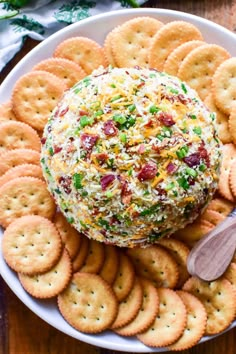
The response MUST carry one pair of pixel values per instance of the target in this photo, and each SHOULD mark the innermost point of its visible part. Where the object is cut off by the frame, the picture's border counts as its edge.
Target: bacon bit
(82, 113)
(114, 220)
(57, 149)
(88, 141)
(161, 191)
(168, 98)
(109, 128)
(65, 182)
(106, 181)
(204, 154)
(126, 193)
(102, 157)
(95, 211)
(171, 168)
(156, 148)
(193, 159)
(149, 124)
(64, 111)
(166, 119)
(141, 149)
(141, 84)
(191, 181)
(183, 99)
(43, 140)
(147, 172)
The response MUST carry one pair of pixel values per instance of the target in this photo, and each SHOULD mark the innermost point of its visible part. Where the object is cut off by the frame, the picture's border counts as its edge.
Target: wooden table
(21, 331)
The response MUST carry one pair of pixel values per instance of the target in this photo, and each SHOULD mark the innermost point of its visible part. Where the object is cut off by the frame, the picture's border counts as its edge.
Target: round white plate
(96, 28)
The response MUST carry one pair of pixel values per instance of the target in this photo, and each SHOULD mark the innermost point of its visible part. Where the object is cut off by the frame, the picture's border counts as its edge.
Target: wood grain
(25, 333)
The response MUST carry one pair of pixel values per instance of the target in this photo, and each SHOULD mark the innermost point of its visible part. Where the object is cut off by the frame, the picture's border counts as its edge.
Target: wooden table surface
(21, 331)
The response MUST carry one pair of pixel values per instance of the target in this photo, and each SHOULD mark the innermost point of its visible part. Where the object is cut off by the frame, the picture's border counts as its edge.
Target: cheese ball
(131, 155)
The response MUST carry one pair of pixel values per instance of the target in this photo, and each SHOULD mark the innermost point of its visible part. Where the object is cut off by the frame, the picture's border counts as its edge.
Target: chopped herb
(84, 193)
(132, 107)
(85, 120)
(212, 115)
(123, 138)
(130, 121)
(47, 170)
(51, 152)
(83, 224)
(175, 193)
(193, 116)
(191, 172)
(57, 191)
(166, 131)
(119, 118)
(146, 192)
(184, 130)
(184, 88)
(77, 179)
(160, 137)
(86, 81)
(169, 186)
(182, 181)
(197, 130)
(42, 160)
(113, 85)
(182, 152)
(77, 130)
(109, 194)
(154, 109)
(173, 90)
(99, 113)
(70, 220)
(115, 98)
(104, 223)
(202, 167)
(110, 162)
(154, 208)
(152, 76)
(130, 171)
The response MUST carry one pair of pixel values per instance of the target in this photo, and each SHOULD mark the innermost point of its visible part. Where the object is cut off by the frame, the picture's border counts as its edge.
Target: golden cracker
(179, 251)
(173, 61)
(66, 70)
(196, 322)
(230, 274)
(219, 300)
(82, 254)
(50, 283)
(108, 51)
(71, 238)
(34, 97)
(94, 259)
(83, 51)
(212, 216)
(200, 65)
(229, 158)
(168, 38)
(18, 157)
(155, 264)
(129, 307)
(132, 41)
(125, 277)
(232, 123)
(221, 205)
(18, 135)
(111, 264)
(31, 245)
(222, 120)
(25, 196)
(169, 323)
(147, 312)
(232, 179)
(88, 304)
(24, 170)
(6, 112)
(224, 85)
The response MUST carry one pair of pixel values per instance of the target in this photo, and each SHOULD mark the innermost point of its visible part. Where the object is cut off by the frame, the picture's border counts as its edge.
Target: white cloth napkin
(40, 18)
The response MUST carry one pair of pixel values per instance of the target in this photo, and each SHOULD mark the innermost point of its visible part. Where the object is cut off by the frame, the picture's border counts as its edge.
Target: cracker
(66, 70)
(34, 97)
(221, 205)
(224, 85)
(110, 265)
(94, 259)
(83, 51)
(168, 38)
(70, 237)
(173, 61)
(232, 179)
(129, 307)
(17, 157)
(24, 196)
(222, 120)
(88, 303)
(212, 216)
(125, 277)
(82, 253)
(232, 123)
(132, 41)
(147, 312)
(179, 251)
(196, 322)
(219, 299)
(200, 65)
(108, 50)
(6, 112)
(230, 274)
(50, 283)
(155, 264)
(169, 323)
(23, 170)
(229, 158)
(18, 135)
(31, 245)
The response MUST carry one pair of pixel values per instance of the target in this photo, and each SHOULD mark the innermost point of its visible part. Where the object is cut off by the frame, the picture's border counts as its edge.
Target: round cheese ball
(131, 155)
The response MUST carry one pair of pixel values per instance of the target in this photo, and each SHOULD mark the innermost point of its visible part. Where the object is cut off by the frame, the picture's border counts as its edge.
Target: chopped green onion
(212, 115)
(173, 90)
(85, 120)
(70, 220)
(104, 223)
(160, 137)
(182, 152)
(197, 130)
(130, 171)
(167, 132)
(119, 118)
(184, 88)
(170, 186)
(202, 167)
(152, 76)
(154, 109)
(132, 107)
(146, 192)
(182, 181)
(113, 85)
(84, 193)
(193, 116)
(115, 98)
(155, 208)
(123, 138)
(99, 113)
(83, 224)
(191, 172)
(77, 179)
(51, 152)
(57, 191)
(109, 194)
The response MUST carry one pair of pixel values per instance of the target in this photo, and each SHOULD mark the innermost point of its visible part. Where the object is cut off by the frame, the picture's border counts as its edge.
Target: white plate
(96, 28)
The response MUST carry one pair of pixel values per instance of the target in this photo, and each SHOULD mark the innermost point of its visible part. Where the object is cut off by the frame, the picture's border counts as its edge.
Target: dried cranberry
(65, 182)
(57, 149)
(109, 128)
(147, 172)
(106, 181)
(43, 140)
(171, 168)
(102, 157)
(166, 119)
(88, 141)
(63, 111)
(182, 99)
(192, 160)
(204, 154)
(125, 192)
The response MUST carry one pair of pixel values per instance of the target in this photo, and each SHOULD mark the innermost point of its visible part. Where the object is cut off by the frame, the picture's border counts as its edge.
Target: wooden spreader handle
(211, 256)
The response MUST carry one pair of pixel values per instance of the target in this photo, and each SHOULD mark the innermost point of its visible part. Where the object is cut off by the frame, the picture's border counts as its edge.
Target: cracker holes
(92, 292)
(88, 305)
(98, 319)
